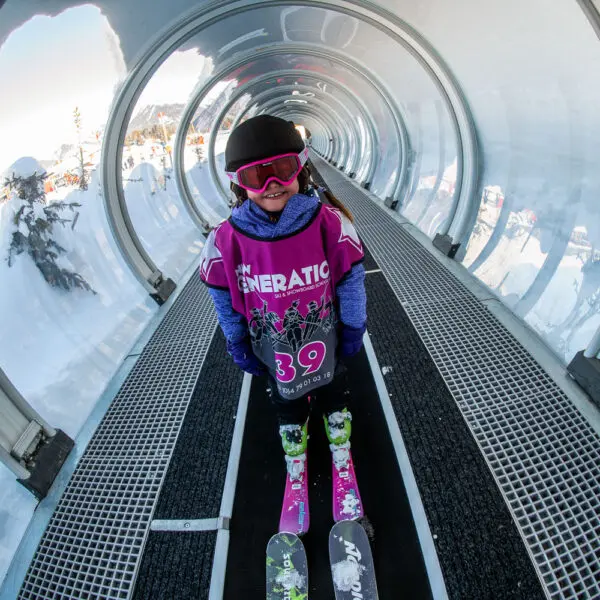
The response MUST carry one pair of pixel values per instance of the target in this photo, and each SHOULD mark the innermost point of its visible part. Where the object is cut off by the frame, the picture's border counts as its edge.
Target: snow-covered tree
(199, 152)
(197, 142)
(83, 175)
(34, 221)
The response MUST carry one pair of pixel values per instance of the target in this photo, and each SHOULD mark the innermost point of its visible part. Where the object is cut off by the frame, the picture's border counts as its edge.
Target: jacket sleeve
(233, 324)
(352, 298)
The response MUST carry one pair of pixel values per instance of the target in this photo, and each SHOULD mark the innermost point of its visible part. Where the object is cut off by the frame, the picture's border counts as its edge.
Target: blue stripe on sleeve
(233, 324)
(352, 297)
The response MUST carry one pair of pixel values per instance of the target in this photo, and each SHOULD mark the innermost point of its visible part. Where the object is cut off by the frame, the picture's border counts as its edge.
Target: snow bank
(24, 167)
(61, 348)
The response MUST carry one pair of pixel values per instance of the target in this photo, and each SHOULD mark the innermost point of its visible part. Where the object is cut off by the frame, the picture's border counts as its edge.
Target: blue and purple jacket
(286, 284)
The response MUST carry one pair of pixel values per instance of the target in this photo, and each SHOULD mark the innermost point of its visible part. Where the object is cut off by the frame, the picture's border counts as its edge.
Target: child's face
(275, 197)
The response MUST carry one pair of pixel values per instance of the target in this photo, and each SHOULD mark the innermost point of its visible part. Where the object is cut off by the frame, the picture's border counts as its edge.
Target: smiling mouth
(273, 196)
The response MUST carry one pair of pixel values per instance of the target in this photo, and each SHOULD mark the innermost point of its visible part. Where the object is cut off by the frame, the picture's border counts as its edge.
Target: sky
(50, 65)
(175, 79)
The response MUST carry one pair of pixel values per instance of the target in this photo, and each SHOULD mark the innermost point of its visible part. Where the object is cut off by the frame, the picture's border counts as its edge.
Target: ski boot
(347, 504)
(295, 517)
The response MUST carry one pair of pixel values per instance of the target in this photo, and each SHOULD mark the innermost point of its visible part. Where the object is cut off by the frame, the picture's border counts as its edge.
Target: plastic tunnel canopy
(478, 121)
(443, 131)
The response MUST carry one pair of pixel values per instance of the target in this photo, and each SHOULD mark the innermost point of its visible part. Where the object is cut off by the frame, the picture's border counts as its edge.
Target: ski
(287, 571)
(347, 504)
(351, 562)
(295, 517)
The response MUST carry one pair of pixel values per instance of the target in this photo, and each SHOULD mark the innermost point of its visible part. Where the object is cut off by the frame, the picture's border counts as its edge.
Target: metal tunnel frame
(267, 94)
(334, 119)
(16, 412)
(308, 113)
(354, 99)
(274, 50)
(231, 66)
(172, 37)
(362, 73)
(346, 146)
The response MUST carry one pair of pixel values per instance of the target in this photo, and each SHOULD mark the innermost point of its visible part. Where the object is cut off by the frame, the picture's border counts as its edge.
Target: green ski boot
(293, 439)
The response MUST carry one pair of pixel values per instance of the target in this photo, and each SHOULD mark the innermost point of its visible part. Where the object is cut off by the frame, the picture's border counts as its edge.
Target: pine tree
(83, 176)
(199, 153)
(198, 150)
(34, 222)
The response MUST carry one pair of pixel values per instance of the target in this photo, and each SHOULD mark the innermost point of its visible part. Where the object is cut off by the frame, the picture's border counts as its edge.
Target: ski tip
(298, 534)
(349, 529)
(351, 562)
(286, 568)
(284, 536)
(347, 525)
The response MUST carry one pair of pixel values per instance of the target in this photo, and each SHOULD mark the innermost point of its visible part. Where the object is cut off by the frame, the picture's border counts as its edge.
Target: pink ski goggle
(256, 176)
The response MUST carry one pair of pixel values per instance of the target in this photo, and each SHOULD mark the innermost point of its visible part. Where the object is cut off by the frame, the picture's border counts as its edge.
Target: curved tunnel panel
(470, 123)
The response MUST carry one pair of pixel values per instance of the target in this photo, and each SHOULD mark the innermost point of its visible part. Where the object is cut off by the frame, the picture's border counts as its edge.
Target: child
(284, 273)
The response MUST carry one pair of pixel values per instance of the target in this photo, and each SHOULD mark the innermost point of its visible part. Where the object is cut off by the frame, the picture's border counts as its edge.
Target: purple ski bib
(286, 290)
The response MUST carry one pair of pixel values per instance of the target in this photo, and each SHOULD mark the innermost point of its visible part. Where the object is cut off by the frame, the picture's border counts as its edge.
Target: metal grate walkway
(544, 456)
(92, 546)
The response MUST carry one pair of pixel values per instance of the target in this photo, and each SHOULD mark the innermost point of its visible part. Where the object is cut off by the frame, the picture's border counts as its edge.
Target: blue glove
(243, 357)
(351, 339)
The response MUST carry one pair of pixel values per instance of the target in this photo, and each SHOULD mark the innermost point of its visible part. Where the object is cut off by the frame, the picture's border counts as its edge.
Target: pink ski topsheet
(295, 517)
(347, 504)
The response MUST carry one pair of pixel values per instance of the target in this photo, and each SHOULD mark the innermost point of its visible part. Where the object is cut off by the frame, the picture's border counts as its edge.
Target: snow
(346, 573)
(340, 454)
(202, 186)
(290, 579)
(336, 425)
(338, 417)
(38, 211)
(23, 228)
(385, 370)
(566, 312)
(59, 348)
(23, 167)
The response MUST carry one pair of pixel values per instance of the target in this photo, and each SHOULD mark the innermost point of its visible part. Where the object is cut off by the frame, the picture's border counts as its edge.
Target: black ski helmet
(261, 137)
